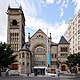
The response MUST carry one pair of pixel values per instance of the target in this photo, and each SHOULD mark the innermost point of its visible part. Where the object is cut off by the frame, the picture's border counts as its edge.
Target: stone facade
(15, 32)
(41, 54)
(48, 54)
(24, 60)
(15, 28)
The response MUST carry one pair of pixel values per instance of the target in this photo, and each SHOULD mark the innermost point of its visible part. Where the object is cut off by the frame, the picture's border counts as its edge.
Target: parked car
(51, 74)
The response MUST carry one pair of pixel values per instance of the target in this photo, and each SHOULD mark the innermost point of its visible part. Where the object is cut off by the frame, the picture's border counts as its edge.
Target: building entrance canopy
(38, 70)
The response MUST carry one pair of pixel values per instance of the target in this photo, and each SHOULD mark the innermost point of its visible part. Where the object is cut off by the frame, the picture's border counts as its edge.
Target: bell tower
(15, 32)
(15, 28)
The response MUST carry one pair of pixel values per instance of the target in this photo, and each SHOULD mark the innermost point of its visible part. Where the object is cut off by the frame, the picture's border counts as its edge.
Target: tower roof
(63, 41)
(25, 47)
(15, 10)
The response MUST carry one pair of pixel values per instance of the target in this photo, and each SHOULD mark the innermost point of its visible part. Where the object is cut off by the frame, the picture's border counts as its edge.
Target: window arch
(14, 22)
(39, 48)
(23, 55)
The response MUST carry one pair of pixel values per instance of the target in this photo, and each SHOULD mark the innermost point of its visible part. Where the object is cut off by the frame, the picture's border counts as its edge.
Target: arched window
(27, 55)
(28, 64)
(14, 22)
(39, 48)
(23, 55)
(79, 21)
(20, 55)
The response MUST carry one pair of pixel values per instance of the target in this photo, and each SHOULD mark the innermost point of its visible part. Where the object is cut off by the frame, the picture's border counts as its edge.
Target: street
(39, 78)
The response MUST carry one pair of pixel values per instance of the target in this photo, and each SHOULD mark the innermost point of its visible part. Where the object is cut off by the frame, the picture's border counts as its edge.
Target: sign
(48, 58)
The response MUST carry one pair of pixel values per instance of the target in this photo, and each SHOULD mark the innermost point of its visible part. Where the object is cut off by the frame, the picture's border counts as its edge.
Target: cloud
(60, 30)
(57, 29)
(62, 12)
(28, 6)
(30, 9)
(59, 1)
(50, 1)
(63, 5)
(3, 19)
(33, 22)
(3, 22)
(44, 3)
(77, 5)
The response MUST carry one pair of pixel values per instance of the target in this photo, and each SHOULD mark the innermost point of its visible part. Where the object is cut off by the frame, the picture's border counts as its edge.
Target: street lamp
(48, 55)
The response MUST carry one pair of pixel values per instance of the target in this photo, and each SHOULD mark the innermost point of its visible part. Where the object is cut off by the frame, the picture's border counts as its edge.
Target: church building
(39, 55)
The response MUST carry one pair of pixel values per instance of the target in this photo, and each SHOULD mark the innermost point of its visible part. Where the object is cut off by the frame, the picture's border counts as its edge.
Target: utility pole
(47, 47)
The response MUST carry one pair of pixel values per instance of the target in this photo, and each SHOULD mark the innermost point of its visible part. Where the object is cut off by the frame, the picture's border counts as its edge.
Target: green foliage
(78, 58)
(6, 56)
(73, 60)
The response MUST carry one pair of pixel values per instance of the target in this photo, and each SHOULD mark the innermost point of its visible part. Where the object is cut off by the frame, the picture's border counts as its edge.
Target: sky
(51, 16)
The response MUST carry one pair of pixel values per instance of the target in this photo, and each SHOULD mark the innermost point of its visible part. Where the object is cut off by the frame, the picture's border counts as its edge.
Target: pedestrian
(58, 73)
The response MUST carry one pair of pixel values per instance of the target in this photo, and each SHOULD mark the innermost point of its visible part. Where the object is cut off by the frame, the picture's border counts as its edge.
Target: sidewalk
(39, 76)
(70, 76)
(67, 76)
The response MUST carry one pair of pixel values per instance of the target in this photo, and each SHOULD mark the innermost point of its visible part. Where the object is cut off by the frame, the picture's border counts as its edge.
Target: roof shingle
(63, 41)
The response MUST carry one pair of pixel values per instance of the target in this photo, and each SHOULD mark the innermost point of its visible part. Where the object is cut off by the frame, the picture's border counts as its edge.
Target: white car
(51, 74)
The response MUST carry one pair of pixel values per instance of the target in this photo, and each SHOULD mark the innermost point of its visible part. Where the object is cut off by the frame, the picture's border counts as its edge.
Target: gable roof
(63, 41)
(39, 31)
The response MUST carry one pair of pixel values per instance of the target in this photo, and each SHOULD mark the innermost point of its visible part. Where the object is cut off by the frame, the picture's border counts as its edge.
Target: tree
(6, 56)
(78, 58)
(73, 60)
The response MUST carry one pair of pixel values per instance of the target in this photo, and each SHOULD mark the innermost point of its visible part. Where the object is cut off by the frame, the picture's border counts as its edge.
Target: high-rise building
(72, 34)
(15, 30)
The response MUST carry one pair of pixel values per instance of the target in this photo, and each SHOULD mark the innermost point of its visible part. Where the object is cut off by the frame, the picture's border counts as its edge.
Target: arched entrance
(39, 59)
(63, 67)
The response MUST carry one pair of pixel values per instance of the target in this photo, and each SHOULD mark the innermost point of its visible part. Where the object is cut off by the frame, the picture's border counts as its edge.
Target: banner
(48, 58)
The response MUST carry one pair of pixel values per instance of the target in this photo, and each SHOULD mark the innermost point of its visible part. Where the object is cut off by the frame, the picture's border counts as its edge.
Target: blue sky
(51, 15)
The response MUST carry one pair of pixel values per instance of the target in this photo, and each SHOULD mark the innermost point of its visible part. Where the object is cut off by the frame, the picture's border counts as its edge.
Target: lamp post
(48, 51)
(47, 47)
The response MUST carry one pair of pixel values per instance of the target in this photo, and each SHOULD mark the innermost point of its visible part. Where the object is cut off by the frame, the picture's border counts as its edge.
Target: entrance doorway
(63, 68)
(39, 71)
